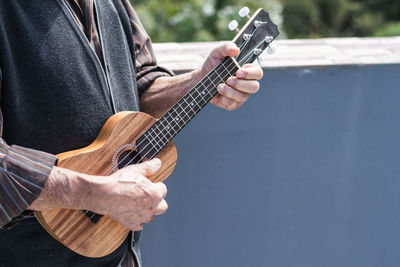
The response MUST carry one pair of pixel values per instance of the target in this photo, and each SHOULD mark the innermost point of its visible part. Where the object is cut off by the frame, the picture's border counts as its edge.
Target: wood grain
(72, 227)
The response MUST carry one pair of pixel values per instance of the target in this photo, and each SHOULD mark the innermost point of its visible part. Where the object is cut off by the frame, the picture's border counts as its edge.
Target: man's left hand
(238, 88)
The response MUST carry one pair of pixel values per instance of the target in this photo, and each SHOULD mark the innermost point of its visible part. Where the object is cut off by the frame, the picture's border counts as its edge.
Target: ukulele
(131, 137)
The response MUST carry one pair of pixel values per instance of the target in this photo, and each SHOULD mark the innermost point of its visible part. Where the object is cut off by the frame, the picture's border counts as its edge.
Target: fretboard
(168, 126)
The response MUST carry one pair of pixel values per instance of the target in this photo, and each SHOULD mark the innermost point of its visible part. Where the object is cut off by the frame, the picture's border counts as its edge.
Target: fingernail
(220, 88)
(231, 81)
(240, 74)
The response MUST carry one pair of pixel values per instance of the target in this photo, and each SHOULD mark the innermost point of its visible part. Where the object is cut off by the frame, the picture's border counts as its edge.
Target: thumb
(228, 49)
(147, 168)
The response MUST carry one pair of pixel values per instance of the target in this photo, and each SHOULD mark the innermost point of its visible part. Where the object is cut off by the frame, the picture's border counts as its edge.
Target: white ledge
(292, 53)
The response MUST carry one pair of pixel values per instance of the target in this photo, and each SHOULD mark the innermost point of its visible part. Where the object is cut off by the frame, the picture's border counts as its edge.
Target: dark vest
(56, 96)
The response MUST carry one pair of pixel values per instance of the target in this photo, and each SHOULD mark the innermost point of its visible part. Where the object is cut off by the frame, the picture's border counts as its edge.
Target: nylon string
(169, 115)
(217, 68)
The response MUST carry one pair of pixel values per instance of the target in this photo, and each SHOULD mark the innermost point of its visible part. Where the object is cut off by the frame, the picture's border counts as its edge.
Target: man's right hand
(127, 196)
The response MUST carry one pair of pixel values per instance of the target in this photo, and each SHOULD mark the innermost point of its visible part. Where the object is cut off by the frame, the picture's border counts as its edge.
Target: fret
(160, 132)
(212, 92)
(197, 95)
(175, 120)
(181, 113)
(208, 82)
(192, 102)
(214, 78)
(184, 111)
(145, 146)
(153, 144)
(152, 147)
(225, 69)
(202, 94)
(222, 80)
(166, 125)
(191, 112)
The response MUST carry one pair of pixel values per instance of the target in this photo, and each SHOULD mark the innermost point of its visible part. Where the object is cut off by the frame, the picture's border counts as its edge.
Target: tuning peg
(244, 12)
(271, 50)
(233, 26)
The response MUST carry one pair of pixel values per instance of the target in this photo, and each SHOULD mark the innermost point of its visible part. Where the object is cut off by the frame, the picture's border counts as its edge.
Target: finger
(232, 93)
(161, 208)
(147, 168)
(227, 49)
(226, 103)
(158, 191)
(247, 86)
(149, 220)
(138, 227)
(250, 72)
(131, 226)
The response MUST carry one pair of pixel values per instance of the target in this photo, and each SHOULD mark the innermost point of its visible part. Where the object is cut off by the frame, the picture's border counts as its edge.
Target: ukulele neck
(175, 119)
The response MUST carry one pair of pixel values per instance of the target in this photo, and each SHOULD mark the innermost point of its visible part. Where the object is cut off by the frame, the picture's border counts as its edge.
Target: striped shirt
(23, 171)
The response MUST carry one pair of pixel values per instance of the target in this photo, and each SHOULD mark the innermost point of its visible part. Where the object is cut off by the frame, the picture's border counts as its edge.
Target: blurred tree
(206, 20)
(325, 18)
(196, 20)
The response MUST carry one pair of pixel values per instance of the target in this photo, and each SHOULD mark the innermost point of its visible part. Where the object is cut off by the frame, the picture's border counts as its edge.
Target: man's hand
(166, 91)
(237, 89)
(127, 196)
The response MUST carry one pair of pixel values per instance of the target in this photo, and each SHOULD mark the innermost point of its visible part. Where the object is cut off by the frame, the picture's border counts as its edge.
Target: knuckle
(164, 207)
(129, 225)
(163, 187)
(261, 73)
(140, 194)
(155, 195)
(147, 167)
(231, 105)
(238, 105)
(164, 190)
(244, 97)
(256, 87)
(227, 45)
(158, 192)
(137, 227)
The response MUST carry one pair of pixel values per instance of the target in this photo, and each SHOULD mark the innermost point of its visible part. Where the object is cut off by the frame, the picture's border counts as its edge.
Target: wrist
(197, 75)
(63, 189)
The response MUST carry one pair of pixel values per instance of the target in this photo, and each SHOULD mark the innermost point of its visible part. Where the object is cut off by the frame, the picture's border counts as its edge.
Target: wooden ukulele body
(72, 227)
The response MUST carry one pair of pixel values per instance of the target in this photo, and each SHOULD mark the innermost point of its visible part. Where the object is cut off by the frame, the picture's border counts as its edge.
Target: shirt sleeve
(23, 174)
(147, 69)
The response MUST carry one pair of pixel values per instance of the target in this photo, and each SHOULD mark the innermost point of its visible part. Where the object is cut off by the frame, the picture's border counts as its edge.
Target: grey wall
(307, 173)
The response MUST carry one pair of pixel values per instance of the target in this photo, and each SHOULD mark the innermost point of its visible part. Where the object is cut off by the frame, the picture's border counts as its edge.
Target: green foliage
(390, 29)
(325, 18)
(207, 20)
(195, 20)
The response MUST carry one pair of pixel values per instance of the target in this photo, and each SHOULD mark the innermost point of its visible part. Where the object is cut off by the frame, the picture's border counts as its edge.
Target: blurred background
(306, 173)
(206, 20)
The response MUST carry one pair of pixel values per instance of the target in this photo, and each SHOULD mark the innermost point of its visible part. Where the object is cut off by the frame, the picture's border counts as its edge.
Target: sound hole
(129, 157)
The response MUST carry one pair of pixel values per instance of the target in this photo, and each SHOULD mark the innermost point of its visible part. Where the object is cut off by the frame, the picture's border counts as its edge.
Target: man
(65, 67)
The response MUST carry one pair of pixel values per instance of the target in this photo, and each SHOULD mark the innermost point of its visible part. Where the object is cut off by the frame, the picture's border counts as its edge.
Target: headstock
(255, 36)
